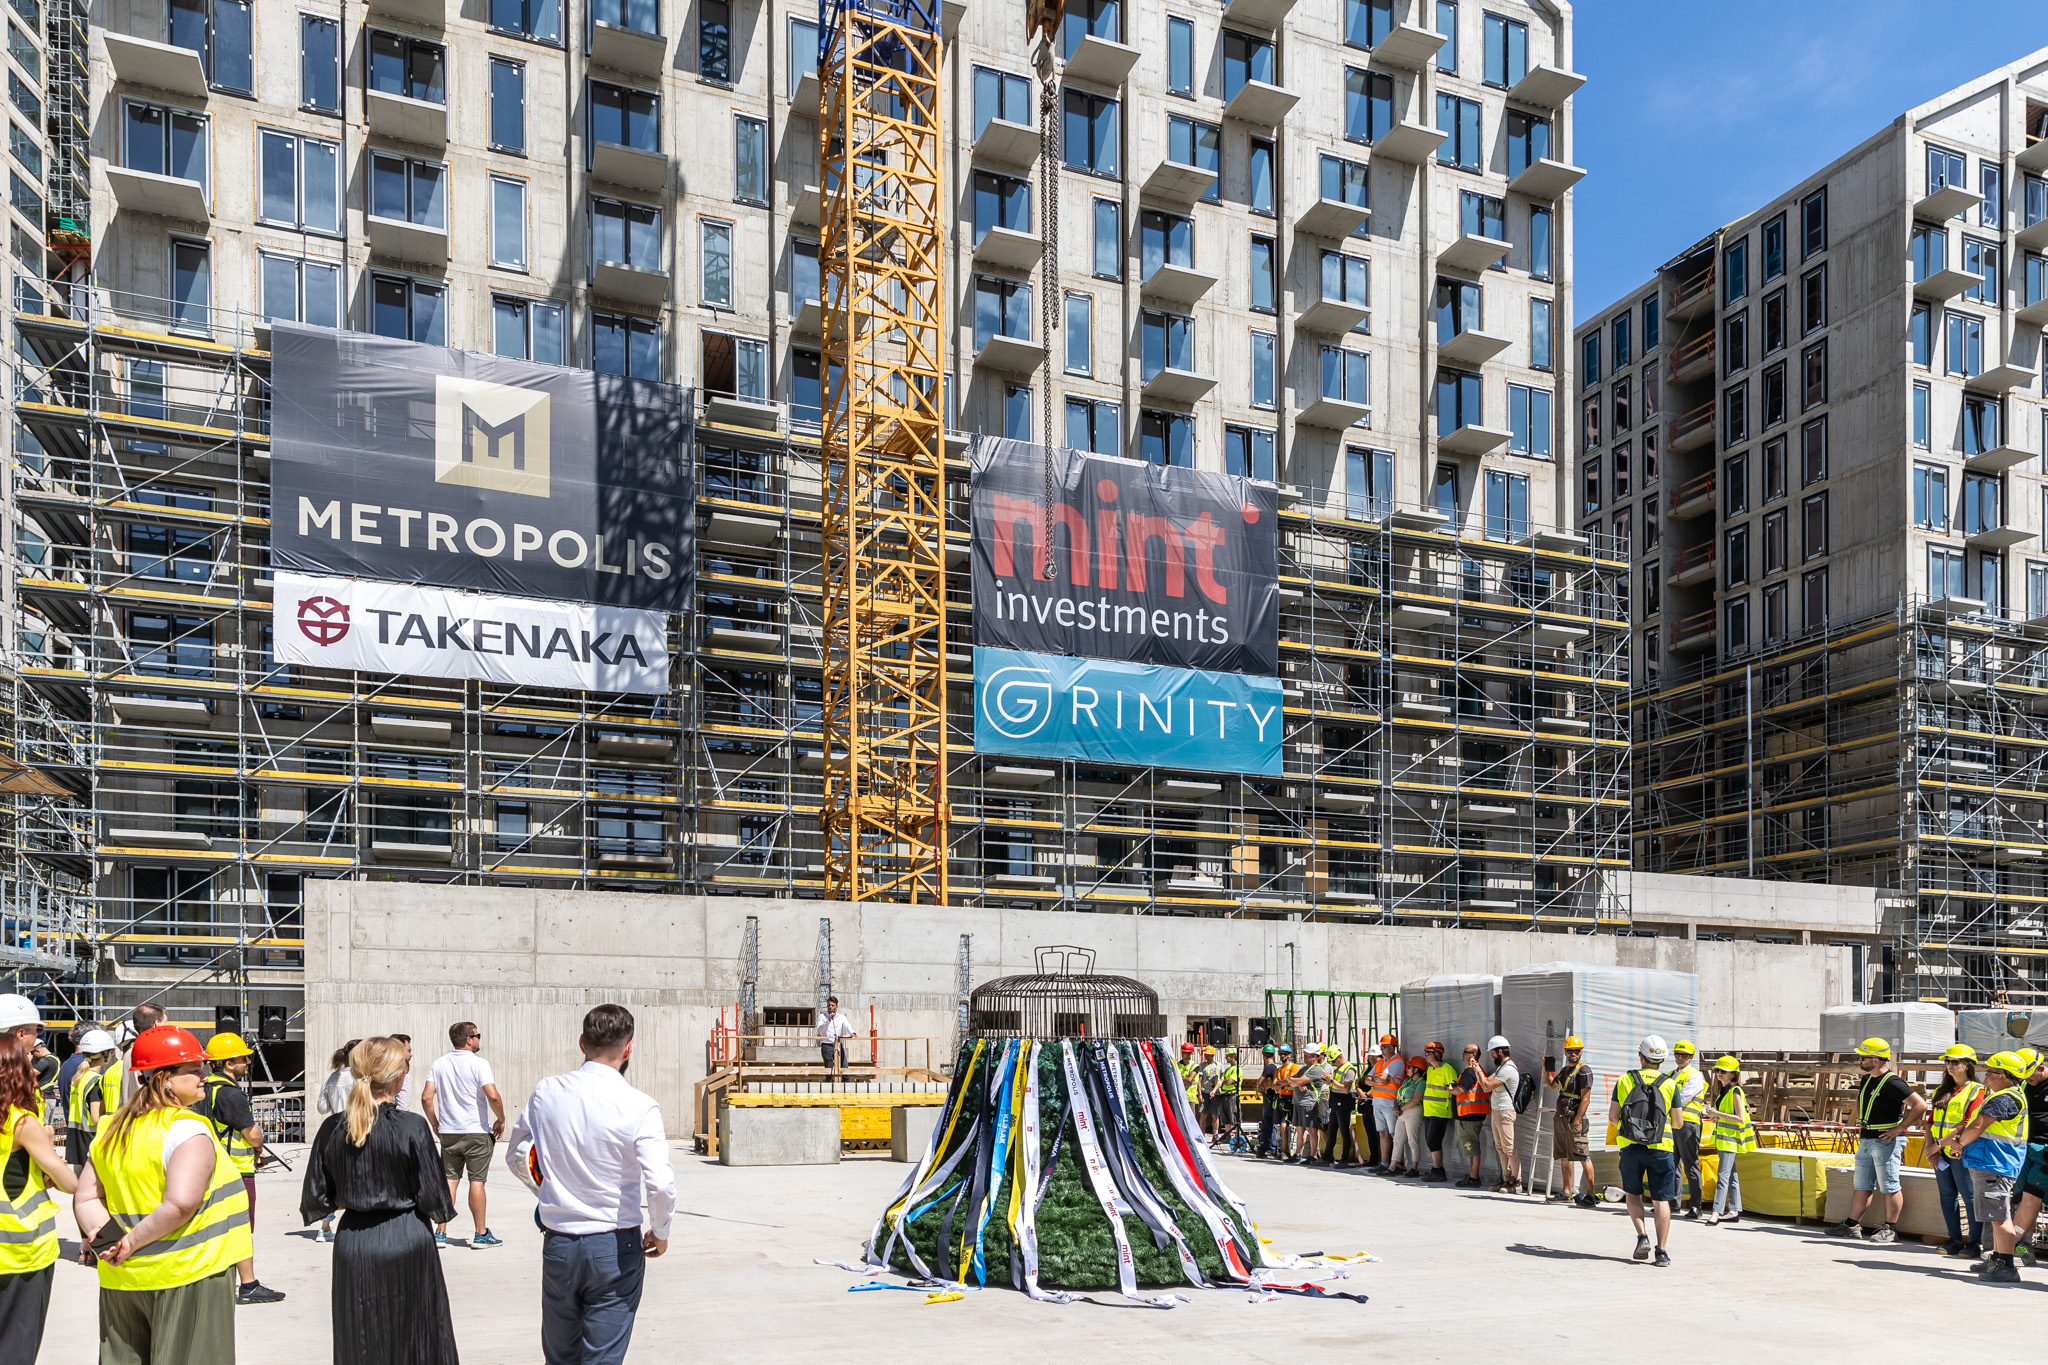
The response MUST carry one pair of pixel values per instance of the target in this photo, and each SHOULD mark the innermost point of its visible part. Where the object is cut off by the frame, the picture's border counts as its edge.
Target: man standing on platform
(834, 1029)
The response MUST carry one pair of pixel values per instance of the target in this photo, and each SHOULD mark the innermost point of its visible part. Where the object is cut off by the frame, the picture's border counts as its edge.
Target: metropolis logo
(491, 436)
(1017, 702)
(323, 620)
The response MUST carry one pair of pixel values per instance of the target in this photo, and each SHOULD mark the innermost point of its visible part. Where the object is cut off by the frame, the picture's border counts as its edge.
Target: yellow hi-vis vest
(1951, 1114)
(108, 1079)
(239, 1150)
(132, 1179)
(28, 1216)
(1693, 1111)
(1664, 1082)
(1436, 1090)
(1733, 1132)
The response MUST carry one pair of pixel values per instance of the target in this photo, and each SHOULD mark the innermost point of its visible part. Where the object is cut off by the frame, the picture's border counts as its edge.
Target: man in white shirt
(834, 1029)
(458, 1089)
(585, 1144)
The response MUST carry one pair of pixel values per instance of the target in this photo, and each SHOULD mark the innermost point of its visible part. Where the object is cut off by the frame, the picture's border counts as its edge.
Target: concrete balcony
(2035, 157)
(1693, 360)
(2034, 314)
(1009, 249)
(751, 641)
(1409, 142)
(1694, 633)
(2001, 378)
(631, 166)
(168, 196)
(1944, 284)
(1997, 460)
(2034, 236)
(1333, 218)
(1333, 414)
(1331, 317)
(1546, 87)
(806, 206)
(1471, 348)
(732, 410)
(1473, 439)
(1101, 62)
(412, 730)
(1472, 253)
(730, 528)
(1261, 103)
(1695, 565)
(951, 12)
(1692, 429)
(628, 49)
(1688, 294)
(433, 12)
(403, 241)
(1177, 386)
(161, 711)
(405, 118)
(162, 66)
(1176, 284)
(1998, 538)
(1546, 179)
(1409, 47)
(1694, 498)
(807, 100)
(1014, 144)
(1178, 182)
(1010, 355)
(629, 283)
(1945, 203)
(1263, 14)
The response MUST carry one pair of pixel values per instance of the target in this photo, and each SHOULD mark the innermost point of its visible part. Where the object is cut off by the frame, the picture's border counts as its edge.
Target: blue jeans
(1728, 1187)
(1877, 1163)
(590, 1290)
(1952, 1182)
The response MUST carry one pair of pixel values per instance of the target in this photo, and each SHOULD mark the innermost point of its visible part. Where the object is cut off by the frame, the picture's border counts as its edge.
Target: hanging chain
(1049, 153)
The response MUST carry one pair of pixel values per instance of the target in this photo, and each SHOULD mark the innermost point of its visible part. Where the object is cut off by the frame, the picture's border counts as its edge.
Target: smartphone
(1549, 1062)
(109, 1235)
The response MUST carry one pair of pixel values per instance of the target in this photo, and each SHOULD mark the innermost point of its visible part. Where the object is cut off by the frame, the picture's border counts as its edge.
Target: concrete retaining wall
(525, 964)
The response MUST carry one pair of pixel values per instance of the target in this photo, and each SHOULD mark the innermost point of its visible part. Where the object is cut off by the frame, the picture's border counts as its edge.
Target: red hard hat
(1187, 1047)
(164, 1045)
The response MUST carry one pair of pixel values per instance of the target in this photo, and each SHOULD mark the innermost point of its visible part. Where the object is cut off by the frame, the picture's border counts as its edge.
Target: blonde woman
(378, 1163)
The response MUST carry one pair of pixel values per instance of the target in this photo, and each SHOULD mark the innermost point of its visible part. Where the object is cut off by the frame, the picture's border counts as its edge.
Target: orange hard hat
(1433, 1046)
(164, 1045)
(1389, 1040)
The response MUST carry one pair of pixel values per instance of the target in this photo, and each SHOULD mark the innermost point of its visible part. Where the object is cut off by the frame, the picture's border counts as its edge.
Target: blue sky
(1694, 114)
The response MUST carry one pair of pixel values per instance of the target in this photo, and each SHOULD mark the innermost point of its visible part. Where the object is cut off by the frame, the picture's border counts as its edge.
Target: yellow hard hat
(1959, 1052)
(1728, 1064)
(1873, 1047)
(1574, 1044)
(1208, 1051)
(2030, 1057)
(222, 1046)
(2011, 1063)
(1683, 1045)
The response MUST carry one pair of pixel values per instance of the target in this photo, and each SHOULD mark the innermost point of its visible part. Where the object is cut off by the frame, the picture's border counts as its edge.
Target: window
(408, 191)
(1368, 482)
(319, 64)
(25, 98)
(407, 67)
(1774, 613)
(1991, 184)
(512, 823)
(1259, 182)
(1507, 506)
(1589, 361)
(527, 329)
(1540, 335)
(1944, 572)
(301, 182)
(714, 41)
(1735, 557)
(2035, 286)
(1734, 344)
(1813, 453)
(508, 222)
(165, 141)
(1166, 341)
(1482, 215)
(1945, 168)
(1262, 258)
(1458, 119)
(997, 95)
(715, 267)
(1589, 479)
(191, 285)
(1735, 271)
(1624, 417)
(1090, 19)
(1001, 308)
(1507, 50)
(1345, 375)
(1192, 143)
(1458, 401)
(1264, 391)
(625, 234)
(1965, 344)
(738, 365)
(642, 16)
(1813, 385)
(1981, 504)
(1529, 425)
(1368, 104)
(1457, 303)
(806, 378)
(1344, 182)
(1166, 438)
(1080, 329)
(803, 272)
(1528, 141)
(749, 160)
(1164, 239)
(300, 290)
(1017, 412)
(1920, 335)
(1774, 541)
(1589, 423)
(1813, 224)
(1773, 327)
(508, 105)
(1094, 426)
(1650, 337)
(1109, 239)
(1981, 259)
(409, 309)
(1621, 341)
(1248, 453)
(1814, 588)
(1774, 248)
(1091, 132)
(1735, 485)
(222, 33)
(1649, 450)
(1814, 536)
(23, 145)
(1247, 59)
(537, 19)
(1735, 630)
(1982, 424)
(1447, 28)
(1651, 530)
(1539, 266)
(625, 118)
(1367, 21)
(1180, 55)
(1000, 201)
(1771, 397)
(1922, 435)
(2037, 591)
(623, 345)
(1735, 415)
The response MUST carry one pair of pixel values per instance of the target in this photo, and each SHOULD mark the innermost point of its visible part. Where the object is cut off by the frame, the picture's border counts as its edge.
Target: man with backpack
(1643, 1100)
(1503, 1089)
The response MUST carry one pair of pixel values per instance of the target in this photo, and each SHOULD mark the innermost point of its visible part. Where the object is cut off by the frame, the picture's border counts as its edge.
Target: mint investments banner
(1104, 711)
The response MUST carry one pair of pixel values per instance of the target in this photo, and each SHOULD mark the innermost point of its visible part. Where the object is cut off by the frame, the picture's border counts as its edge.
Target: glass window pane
(428, 315)
(508, 328)
(546, 322)
(320, 284)
(508, 105)
(508, 222)
(319, 63)
(322, 207)
(429, 208)
(718, 264)
(646, 351)
(280, 200)
(280, 288)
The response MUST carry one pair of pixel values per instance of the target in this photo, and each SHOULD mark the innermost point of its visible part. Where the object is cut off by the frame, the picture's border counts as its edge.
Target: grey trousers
(193, 1324)
(24, 1307)
(590, 1290)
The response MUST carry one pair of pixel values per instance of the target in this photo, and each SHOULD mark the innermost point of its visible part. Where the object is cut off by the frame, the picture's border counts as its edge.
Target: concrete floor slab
(738, 1284)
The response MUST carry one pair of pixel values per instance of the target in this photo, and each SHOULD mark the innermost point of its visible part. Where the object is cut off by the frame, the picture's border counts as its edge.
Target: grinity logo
(1017, 702)
(323, 620)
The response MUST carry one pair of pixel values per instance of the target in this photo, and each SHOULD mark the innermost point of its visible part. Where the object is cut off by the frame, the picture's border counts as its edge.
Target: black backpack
(1645, 1116)
(1525, 1091)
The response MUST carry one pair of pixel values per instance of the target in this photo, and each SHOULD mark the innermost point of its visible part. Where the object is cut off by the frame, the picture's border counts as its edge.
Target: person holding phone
(28, 1216)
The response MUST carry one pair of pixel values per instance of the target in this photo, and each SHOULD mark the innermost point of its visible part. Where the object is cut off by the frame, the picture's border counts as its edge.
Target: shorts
(1649, 1173)
(1994, 1196)
(1468, 1136)
(1568, 1139)
(1384, 1115)
(2034, 1175)
(1433, 1130)
(466, 1151)
(1877, 1163)
(1304, 1111)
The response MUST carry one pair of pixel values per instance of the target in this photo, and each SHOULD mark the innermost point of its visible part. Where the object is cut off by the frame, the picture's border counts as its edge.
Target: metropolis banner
(418, 464)
(1099, 711)
(1151, 565)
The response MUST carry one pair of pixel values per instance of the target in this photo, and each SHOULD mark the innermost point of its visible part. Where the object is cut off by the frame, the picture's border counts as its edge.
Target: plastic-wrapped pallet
(1914, 1028)
(1610, 1008)
(1989, 1030)
(1454, 1011)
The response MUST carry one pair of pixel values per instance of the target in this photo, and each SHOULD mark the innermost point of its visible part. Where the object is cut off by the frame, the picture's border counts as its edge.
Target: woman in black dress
(380, 1165)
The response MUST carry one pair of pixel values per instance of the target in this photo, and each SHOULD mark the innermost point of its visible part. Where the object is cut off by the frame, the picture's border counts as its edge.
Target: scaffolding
(1908, 751)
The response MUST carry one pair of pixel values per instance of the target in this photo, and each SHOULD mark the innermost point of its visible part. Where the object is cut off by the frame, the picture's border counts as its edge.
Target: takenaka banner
(398, 628)
(1151, 565)
(414, 463)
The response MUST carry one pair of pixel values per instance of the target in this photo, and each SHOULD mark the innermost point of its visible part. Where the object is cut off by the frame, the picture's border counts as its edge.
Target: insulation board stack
(1914, 1028)
(1987, 1030)
(1454, 1011)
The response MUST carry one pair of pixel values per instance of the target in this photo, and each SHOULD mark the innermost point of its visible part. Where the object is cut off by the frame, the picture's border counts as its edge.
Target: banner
(397, 628)
(1150, 564)
(398, 461)
(1097, 711)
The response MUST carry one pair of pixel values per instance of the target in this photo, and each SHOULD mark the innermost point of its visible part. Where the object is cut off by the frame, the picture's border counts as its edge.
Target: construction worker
(1283, 1102)
(1733, 1135)
(1188, 1080)
(1946, 1113)
(2032, 1189)
(1886, 1107)
(1468, 1098)
(1209, 1086)
(1387, 1072)
(1569, 1146)
(1687, 1119)
(166, 1294)
(1438, 1107)
(1311, 1103)
(95, 1093)
(1643, 1101)
(226, 1107)
(1339, 1147)
(1227, 1085)
(1992, 1146)
(1499, 1086)
(1269, 1108)
(28, 1216)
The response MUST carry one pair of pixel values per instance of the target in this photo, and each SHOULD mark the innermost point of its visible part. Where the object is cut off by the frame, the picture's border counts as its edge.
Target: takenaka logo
(323, 620)
(491, 436)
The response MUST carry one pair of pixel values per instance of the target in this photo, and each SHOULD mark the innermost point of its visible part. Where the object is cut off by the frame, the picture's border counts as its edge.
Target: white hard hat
(98, 1041)
(16, 1010)
(1497, 1041)
(1653, 1048)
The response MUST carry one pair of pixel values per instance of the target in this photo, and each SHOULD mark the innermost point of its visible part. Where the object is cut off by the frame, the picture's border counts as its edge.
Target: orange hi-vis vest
(1473, 1102)
(1384, 1086)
